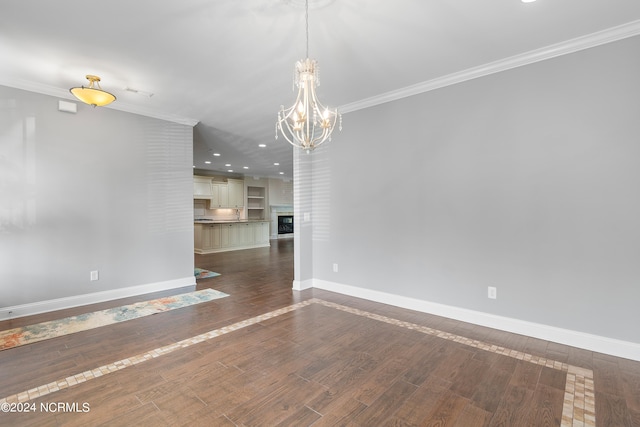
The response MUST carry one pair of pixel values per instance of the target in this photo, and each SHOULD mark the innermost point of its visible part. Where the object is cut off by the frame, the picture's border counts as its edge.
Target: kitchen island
(212, 236)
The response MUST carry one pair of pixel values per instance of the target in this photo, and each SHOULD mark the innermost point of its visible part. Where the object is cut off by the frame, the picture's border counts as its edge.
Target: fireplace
(285, 224)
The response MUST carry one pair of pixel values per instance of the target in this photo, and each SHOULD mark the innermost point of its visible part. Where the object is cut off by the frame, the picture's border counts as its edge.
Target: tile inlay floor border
(579, 394)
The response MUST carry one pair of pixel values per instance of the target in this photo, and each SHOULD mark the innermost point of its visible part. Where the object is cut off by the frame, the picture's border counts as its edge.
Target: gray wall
(302, 204)
(527, 180)
(97, 190)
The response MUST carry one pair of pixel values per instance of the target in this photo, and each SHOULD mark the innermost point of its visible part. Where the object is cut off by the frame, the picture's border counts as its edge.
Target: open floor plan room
(266, 355)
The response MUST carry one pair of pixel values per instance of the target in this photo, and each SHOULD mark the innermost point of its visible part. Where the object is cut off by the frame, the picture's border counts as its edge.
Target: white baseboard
(230, 249)
(92, 298)
(301, 285)
(600, 344)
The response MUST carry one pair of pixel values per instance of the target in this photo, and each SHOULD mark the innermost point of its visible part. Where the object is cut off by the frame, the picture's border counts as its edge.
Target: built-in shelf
(255, 202)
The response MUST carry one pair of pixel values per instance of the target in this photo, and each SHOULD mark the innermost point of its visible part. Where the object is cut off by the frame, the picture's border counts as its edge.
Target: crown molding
(118, 105)
(609, 35)
(552, 51)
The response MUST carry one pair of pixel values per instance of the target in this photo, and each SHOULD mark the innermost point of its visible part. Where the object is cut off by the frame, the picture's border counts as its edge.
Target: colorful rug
(55, 328)
(201, 273)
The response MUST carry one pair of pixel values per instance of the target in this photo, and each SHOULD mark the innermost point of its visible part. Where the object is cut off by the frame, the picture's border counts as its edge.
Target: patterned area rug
(201, 273)
(55, 328)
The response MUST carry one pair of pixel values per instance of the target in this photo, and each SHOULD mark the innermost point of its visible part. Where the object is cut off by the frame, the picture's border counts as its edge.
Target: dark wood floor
(314, 365)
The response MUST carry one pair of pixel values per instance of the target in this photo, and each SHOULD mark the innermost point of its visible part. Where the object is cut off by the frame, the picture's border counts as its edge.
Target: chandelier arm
(292, 135)
(285, 134)
(320, 105)
(289, 111)
(295, 104)
(286, 116)
(322, 109)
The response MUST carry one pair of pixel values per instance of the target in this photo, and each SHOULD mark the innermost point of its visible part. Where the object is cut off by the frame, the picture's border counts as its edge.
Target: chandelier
(307, 123)
(93, 94)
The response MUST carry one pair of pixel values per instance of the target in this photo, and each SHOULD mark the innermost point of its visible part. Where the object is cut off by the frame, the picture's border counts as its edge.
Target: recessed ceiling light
(228, 164)
(276, 164)
(245, 167)
(528, 1)
(281, 173)
(207, 162)
(230, 170)
(216, 154)
(262, 145)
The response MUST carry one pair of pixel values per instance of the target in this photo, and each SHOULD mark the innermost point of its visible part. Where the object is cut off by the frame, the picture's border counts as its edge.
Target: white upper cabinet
(220, 194)
(201, 187)
(236, 193)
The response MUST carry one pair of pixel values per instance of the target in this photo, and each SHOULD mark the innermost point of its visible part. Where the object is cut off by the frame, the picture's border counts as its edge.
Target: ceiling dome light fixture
(93, 94)
(307, 123)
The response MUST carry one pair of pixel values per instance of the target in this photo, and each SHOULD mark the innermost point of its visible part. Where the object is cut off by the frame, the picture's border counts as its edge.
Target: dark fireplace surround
(285, 224)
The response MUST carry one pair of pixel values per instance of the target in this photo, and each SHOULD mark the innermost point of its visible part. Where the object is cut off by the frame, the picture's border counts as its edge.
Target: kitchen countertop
(228, 221)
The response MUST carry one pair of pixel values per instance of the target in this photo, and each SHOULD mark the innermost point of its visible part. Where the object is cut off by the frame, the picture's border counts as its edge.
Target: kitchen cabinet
(223, 236)
(233, 234)
(219, 196)
(241, 234)
(236, 193)
(261, 233)
(207, 236)
(198, 232)
(203, 236)
(201, 187)
(224, 241)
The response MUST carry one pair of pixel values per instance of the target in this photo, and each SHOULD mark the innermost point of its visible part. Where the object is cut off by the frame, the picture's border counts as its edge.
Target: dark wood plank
(526, 375)
(449, 365)
(145, 415)
(546, 407)
(472, 416)
(385, 406)
(513, 407)
(607, 376)
(383, 375)
(467, 379)
(491, 390)
(631, 389)
(423, 401)
(612, 411)
(284, 403)
(301, 417)
(553, 378)
(447, 411)
(342, 414)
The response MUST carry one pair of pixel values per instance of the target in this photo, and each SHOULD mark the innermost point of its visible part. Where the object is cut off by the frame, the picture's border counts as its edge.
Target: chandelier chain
(306, 17)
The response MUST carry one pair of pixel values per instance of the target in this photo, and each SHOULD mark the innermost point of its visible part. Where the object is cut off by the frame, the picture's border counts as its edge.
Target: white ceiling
(228, 64)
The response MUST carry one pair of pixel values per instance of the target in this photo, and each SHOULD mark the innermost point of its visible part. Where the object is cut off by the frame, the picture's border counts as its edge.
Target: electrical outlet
(94, 275)
(492, 292)
(335, 267)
